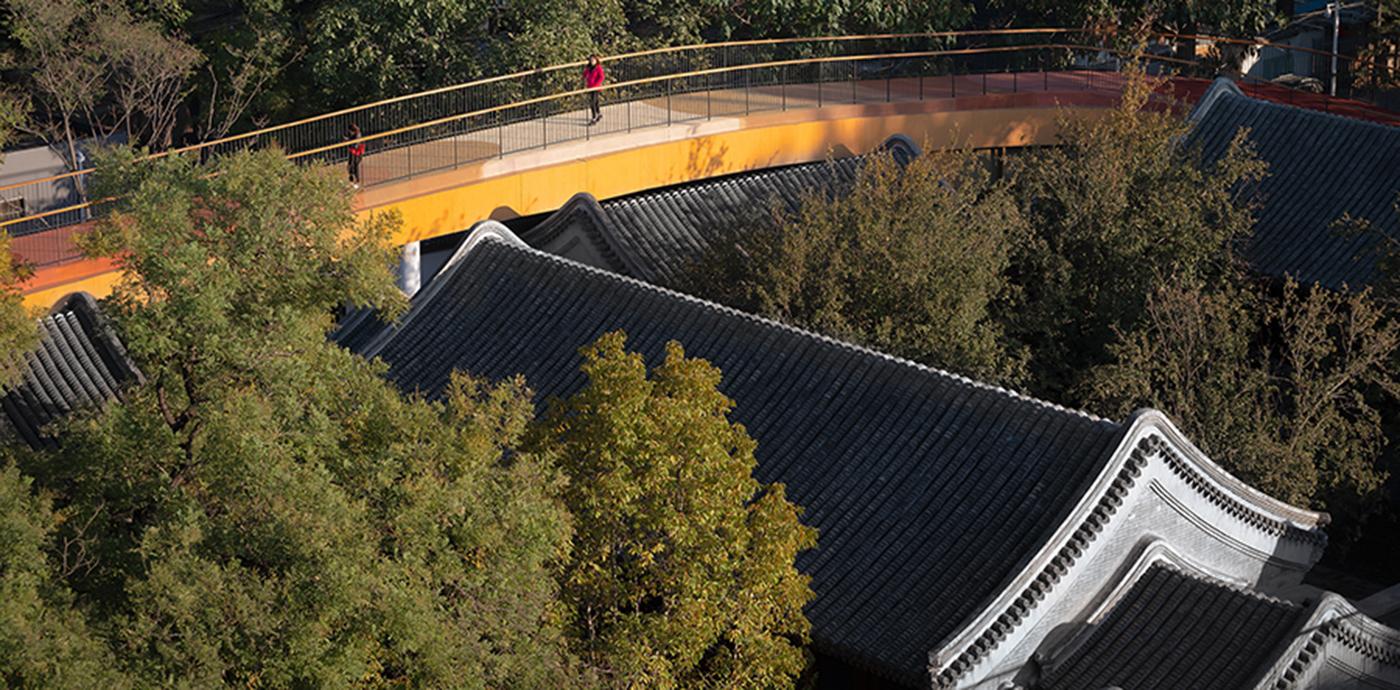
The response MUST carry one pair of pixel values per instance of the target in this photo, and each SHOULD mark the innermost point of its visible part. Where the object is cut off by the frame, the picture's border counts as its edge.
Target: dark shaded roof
(654, 235)
(931, 492)
(1321, 166)
(357, 327)
(79, 363)
(1172, 630)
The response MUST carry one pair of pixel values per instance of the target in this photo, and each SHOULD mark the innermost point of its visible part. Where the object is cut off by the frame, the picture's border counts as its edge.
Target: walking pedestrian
(356, 151)
(593, 77)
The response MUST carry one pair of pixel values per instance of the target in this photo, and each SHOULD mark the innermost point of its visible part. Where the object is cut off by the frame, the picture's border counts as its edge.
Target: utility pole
(1334, 10)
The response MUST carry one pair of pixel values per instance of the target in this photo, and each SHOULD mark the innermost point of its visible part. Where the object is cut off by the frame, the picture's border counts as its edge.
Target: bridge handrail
(574, 93)
(696, 47)
(724, 70)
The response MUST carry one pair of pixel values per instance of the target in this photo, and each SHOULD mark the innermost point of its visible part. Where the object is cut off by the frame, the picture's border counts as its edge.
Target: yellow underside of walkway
(624, 163)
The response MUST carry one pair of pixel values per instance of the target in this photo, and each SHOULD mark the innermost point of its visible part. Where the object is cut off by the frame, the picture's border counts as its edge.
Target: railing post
(668, 102)
(782, 87)
(819, 84)
(853, 82)
(709, 112)
(888, 77)
(629, 116)
(544, 126)
(748, 78)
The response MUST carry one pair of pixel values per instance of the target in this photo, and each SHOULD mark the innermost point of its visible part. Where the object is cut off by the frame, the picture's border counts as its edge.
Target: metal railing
(459, 125)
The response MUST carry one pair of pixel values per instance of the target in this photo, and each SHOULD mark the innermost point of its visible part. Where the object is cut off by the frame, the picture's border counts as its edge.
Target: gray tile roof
(1320, 167)
(79, 363)
(1172, 630)
(356, 327)
(654, 235)
(930, 491)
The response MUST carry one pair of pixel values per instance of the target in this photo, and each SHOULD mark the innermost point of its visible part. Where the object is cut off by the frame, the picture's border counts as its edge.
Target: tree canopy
(1119, 210)
(682, 569)
(912, 262)
(268, 510)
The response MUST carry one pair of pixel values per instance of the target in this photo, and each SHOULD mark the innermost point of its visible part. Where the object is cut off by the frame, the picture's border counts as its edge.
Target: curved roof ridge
(1219, 88)
(1234, 587)
(516, 243)
(1253, 498)
(1334, 619)
(1147, 432)
(1368, 636)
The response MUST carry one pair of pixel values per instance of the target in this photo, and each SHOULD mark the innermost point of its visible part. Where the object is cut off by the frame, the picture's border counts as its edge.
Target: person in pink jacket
(593, 77)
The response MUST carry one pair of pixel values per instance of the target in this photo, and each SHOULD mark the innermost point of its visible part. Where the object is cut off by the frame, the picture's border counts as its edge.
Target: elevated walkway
(634, 148)
(522, 144)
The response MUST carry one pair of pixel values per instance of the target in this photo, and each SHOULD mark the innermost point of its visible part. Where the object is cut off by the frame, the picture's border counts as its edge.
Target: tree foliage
(1238, 18)
(1285, 391)
(18, 334)
(912, 262)
(97, 70)
(44, 641)
(1120, 210)
(682, 570)
(268, 510)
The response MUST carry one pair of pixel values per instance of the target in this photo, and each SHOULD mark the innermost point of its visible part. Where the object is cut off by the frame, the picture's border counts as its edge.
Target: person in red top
(357, 152)
(593, 76)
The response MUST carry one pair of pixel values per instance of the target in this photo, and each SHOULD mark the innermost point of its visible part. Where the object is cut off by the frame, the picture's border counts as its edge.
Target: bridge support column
(411, 268)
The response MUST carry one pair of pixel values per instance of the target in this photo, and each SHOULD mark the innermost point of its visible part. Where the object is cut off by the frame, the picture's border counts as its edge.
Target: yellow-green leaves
(682, 568)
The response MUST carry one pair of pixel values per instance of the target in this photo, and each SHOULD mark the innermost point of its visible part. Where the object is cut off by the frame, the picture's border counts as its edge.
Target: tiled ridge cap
(1219, 88)
(103, 336)
(1195, 476)
(1233, 587)
(600, 222)
(1095, 521)
(1334, 618)
(604, 228)
(712, 306)
(1223, 88)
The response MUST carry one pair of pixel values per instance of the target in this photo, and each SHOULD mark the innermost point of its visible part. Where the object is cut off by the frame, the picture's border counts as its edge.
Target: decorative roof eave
(599, 229)
(478, 233)
(1336, 621)
(1157, 552)
(85, 307)
(1150, 433)
(1218, 88)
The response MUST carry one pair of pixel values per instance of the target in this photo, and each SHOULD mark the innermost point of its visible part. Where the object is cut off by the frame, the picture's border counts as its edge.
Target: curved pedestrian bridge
(494, 149)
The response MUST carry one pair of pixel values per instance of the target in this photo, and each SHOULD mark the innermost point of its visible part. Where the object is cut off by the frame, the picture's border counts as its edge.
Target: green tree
(1284, 391)
(682, 569)
(44, 641)
(18, 334)
(912, 262)
(267, 509)
(1120, 210)
(362, 50)
(673, 23)
(96, 70)
(1379, 59)
(1239, 18)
